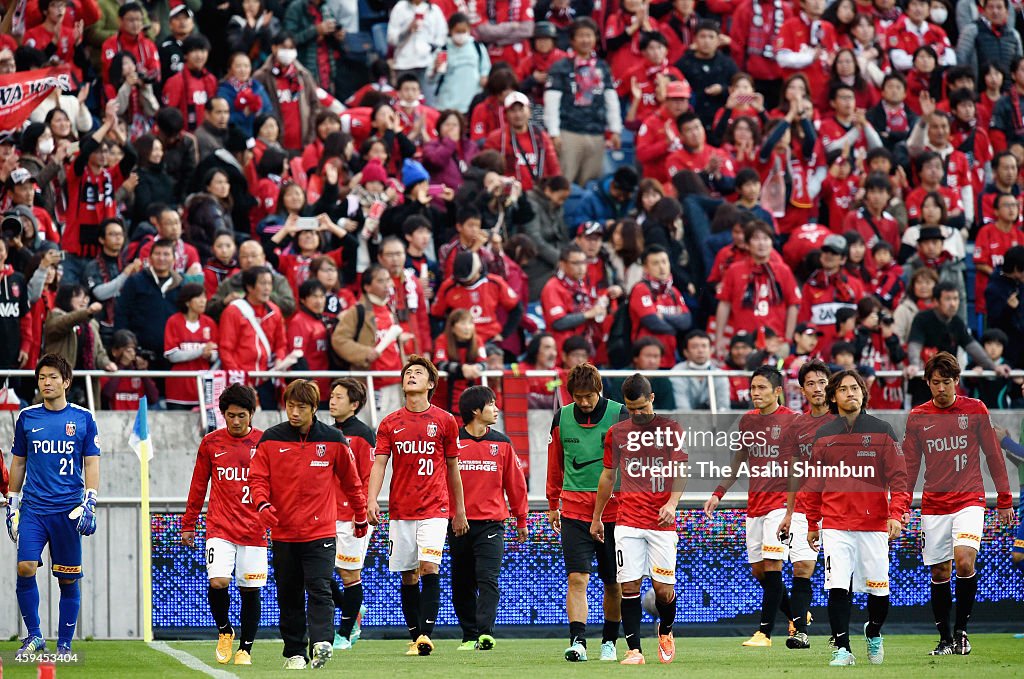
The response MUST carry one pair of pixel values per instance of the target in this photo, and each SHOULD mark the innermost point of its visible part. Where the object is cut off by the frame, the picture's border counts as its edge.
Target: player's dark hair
(815, 365)
(303, 391)
(770, 373)
(636, 387)
(998, 158)
(833, 386)
(251, 276)
(55, 361)
(431, 369)
(356, 390)
(652, 250)
(473, 399)
(241, 395)
(943, 363)
(584, 379)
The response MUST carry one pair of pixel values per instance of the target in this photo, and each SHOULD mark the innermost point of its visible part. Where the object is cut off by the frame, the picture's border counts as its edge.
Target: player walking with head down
(948, 434)
(652, 478)
(295, 476)
(859, 495)
(235, 540)
(422, 442)
(56, 445)
(575, 451)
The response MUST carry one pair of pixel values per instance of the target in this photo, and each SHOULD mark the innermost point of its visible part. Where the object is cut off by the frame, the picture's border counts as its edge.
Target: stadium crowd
(332, 184)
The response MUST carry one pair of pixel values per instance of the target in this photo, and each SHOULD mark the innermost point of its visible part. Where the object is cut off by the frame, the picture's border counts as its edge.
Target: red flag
(761, 342)
(21, 92)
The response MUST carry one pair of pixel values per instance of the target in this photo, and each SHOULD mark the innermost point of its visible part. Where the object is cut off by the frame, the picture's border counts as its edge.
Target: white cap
(517, 98)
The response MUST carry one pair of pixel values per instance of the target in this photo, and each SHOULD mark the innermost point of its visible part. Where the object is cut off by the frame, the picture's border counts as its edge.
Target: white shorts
(858, 555)
(940, 533)
(642, 551)
(763, 537)
(410, 542)
(249, 564)
(799, 548)
(351, 550)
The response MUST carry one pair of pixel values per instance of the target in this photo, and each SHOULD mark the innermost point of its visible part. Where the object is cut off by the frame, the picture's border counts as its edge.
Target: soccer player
(948, 434)
(766, 497)
(858, 514)
(422, 442)
(490, 471)
(57, 447)
(294, 477)
(798, 441)
(575, 450)
(235, 541)
(645, 532)
(348, 396)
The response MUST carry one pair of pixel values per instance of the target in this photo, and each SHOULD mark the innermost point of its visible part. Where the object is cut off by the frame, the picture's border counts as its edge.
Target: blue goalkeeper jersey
(55, 444)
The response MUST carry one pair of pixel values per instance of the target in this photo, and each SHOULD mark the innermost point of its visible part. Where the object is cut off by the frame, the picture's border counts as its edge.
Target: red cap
(678, 89)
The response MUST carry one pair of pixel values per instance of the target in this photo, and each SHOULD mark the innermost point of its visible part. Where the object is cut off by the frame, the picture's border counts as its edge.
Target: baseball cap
(181, 9)
(835, 244)
(545, 29)
(20, 176)
(8, 138)
(514, 98)
(678, 89)
(805, 329)
(590, 229)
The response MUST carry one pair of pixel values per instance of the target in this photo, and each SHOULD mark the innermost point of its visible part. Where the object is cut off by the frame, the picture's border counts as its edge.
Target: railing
(370, 375)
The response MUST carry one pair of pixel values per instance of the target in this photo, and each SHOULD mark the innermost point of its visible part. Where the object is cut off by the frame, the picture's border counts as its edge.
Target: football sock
(666, 614)
(220, 601)
(942, 604)
(411, 609)
(801, 602)
(353, 599)
(839, 616)
(337, 594)
(785, 605)
(878, 611)
(430, 601)
(249, 618)
(28, 601)
(610, 631)
(70, 603)
(578, 632)
(773, 590)
(966, 591)
(631, 614)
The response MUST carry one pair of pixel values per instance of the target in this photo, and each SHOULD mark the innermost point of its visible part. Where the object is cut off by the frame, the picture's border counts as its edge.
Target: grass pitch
(994, 655)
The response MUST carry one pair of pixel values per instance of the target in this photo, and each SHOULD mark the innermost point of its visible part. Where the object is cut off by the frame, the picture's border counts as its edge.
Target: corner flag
(139, 439)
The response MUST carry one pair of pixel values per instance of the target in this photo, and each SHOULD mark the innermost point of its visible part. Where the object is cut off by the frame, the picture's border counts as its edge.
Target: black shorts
(579, 549)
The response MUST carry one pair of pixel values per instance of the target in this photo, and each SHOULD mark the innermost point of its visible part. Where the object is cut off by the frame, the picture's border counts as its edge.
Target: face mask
(460, 38)
(287, 56)
(46, 146)
(409, 103)
(939, 15)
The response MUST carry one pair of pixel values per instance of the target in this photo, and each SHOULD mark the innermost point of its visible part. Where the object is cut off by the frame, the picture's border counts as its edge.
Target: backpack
(620, 342)
(336, 361)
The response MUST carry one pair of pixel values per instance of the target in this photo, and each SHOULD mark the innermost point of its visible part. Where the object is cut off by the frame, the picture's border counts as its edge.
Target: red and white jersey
(491, 472)
(696, 161)
(768, 492)
(904, 37)
(646, 470)
(746, 286)
(643, 302)
(830, 130)
(183, 337)
(797, 35)
(798, 446)
(950, 441)
(419, 445)
(483, 299)
(915, 198)
(231, 515)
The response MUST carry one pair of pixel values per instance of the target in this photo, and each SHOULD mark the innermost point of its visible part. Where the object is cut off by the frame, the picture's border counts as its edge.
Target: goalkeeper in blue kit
(57, 446)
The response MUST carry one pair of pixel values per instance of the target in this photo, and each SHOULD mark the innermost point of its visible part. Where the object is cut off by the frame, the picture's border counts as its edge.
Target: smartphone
(435, 190)
(307, 223)
(63, 255)
(745, 99)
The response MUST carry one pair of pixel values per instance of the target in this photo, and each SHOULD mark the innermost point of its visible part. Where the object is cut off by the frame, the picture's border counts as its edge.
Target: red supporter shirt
(990, 246)
(180, 335)
(185, 255)
(643, 493)
(289, 90)
(361, 441)
(950, 441)
(295, 267)
(147, 57)
(419, 445)
(40, 38)
(529, 157)
(189, 93)
(643, 302)
(487, 116)
(646, 75)
(801, 241)
(794, 35)
(748, 292)
(750, 37)
(483, 299)
(657, 137)
(872, 230)
(491, 472)
(822, 297)
(915, 198)
(839, 195)
(308, 334)
(696, 161)
(902, 36)
(231, 515)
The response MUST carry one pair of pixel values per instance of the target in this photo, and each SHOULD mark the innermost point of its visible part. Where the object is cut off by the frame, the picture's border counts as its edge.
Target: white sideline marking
(190, 661)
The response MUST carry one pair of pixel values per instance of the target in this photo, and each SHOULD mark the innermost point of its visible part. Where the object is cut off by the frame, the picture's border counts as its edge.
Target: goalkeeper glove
(268, 518)
(13, 515)
(85, 514)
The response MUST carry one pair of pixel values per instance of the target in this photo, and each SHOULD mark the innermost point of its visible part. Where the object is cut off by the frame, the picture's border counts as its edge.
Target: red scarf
(842, 290)
(936, 262)
(896, 119)
(762, 274)
(581, 296)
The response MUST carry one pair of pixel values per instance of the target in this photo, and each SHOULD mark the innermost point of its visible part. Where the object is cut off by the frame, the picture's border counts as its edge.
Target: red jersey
(857, 503)
(182, 338)
(422, 114)
(822, 297)
(483, 299)
(914, 199)
(308, 334)
(696, 161)
(988, 204)
(231, 515)
(990, 246)
(648, 299)
(767, 490)
(185, 255)
(801, 241)
(830, 130)
(361, 441)
(646, 75)
(147, 57)
(958, 171)
(295, 267)
(759, 295)
(872, 230)
(755, 27)
(491, 472)
(839, 195)
(560, 297)
(798, 446)
(487, 116)
(950, 442)
(124, 393)
(905, 37)
(624, 59)
(796, 33)
(189, 93)
(538, 61)
(419, 445)
(38, 37)
(241, 348)
(657, 137)
(646, 471)
(529, 155)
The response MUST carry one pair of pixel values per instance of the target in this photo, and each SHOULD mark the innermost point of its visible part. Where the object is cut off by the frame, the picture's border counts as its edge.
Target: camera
(885, 318)
(11, 227)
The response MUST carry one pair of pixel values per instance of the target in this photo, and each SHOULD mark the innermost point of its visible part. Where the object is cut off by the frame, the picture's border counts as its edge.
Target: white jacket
(416, 49)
